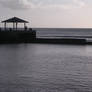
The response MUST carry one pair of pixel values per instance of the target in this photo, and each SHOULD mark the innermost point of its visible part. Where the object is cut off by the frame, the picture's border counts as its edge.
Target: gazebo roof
(16, 20)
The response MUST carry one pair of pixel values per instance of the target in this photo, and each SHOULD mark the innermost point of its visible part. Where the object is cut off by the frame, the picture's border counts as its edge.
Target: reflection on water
(45, 68)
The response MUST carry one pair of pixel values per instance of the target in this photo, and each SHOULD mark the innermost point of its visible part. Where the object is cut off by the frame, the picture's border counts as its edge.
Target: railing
(14, 29)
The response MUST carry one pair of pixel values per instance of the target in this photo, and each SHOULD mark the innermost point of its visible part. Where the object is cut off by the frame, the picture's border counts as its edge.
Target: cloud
(27, 4)
(79, 3)
(67, 4)
(61, 4)
(15, 4)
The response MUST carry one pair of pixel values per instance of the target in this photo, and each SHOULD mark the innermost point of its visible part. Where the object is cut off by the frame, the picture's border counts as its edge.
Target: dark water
(57, 32)
(45, 68)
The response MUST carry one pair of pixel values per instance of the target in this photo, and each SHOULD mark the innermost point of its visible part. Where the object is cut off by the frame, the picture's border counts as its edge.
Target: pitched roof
(15, 19)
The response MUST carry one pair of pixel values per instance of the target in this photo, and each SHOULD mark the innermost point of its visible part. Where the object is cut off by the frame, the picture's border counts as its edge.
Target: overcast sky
(49, 13)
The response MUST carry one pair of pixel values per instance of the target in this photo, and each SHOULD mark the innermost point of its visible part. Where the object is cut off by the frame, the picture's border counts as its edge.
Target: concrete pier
(17, 36)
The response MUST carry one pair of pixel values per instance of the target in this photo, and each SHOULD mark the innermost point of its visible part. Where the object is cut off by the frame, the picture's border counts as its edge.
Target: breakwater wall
(17, 36)
(30, 37)
(61, 41)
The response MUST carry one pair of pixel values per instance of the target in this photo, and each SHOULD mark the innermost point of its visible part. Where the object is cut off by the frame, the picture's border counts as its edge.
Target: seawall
(17, 36)
(61, 41)
(30, 37)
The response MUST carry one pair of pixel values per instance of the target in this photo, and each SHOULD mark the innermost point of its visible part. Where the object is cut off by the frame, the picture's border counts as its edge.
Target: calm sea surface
(57, 32)
(45, 68)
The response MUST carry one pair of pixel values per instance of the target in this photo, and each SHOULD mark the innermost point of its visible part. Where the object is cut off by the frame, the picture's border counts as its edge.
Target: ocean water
(57, 32)
(45, 68)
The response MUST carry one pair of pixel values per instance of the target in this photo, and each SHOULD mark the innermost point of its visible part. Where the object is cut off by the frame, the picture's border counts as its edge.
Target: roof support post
(13, 25)
(16, 25)
(24, 25)
(5, 25)
(25, 28)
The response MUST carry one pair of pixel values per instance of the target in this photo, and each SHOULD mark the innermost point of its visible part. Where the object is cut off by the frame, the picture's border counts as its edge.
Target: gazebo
(15, 21)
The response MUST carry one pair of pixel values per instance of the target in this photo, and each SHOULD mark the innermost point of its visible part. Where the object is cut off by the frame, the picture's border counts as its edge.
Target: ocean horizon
(34, 58)
(57, 32)
(35, 67)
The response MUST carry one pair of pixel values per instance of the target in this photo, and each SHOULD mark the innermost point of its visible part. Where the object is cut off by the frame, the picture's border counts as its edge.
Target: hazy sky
(49, 13)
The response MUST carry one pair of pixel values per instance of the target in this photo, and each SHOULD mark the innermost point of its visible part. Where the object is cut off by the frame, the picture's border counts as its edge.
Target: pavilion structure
(15, 21)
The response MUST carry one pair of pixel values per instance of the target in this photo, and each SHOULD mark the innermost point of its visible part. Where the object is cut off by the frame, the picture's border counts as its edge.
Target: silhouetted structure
(15, 22)
(29, 35)
(25, 28)
(16, 35)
